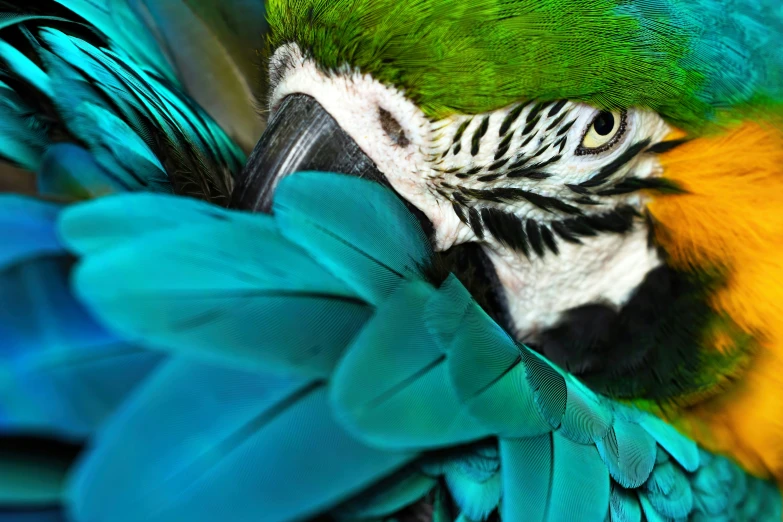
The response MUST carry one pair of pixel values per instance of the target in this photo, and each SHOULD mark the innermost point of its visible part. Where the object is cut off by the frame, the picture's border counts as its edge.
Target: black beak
(300, 136)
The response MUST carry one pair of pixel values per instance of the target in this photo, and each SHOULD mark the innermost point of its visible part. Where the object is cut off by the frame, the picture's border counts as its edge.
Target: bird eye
(603, 132)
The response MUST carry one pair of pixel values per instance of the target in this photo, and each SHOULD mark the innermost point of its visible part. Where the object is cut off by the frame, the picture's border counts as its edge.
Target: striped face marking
(551, 190)
(538, 174)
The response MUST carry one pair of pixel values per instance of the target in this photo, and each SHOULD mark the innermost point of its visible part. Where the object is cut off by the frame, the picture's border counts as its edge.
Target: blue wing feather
(250, 438)
(233, 299)
(424, 368)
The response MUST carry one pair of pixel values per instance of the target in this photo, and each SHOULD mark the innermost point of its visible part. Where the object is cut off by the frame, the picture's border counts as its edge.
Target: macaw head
(617, 163)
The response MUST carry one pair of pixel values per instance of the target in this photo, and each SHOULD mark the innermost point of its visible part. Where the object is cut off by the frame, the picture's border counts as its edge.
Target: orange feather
(732, 218)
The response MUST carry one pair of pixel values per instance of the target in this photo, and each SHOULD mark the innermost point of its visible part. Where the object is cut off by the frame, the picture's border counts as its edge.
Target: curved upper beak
(300, 136)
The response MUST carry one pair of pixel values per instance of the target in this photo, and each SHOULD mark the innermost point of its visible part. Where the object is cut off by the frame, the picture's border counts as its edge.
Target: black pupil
(604, 123)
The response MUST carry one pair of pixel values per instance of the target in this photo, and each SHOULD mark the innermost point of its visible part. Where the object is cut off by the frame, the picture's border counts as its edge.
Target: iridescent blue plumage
(405, 391)
(230, 366)
(62, 372)
(131, 116)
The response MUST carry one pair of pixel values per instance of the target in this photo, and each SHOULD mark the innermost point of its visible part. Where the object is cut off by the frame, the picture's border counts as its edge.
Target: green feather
(688, 61)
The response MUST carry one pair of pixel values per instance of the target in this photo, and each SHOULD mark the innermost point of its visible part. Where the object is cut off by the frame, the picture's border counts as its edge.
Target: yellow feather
(732, 218)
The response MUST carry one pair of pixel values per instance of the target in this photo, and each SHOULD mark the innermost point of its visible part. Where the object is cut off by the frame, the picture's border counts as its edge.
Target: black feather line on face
(497, 164)
(634, 184)
(475, 146)
(530, 126)
(534, 237)
(512, 195)
(556, 122)
(565, 127)
(549, 239)
(612, 167)
(666, 146)
(460, 213)
(577, 189)
(518, 163)
(527, 140)
(460, 132)
(520, 235)
(511, 118)
(528, 173)
(475, 223)
(503, 147)
(557, 107)
(506, 228)
(564, 233)
(460, 198)
(533, 114)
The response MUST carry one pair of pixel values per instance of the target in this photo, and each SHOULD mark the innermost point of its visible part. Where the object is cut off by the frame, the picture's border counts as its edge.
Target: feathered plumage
(421, 368)
(692, 62)
(207, 364)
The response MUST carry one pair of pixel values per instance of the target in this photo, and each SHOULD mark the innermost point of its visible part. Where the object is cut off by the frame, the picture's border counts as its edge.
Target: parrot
(489, 259)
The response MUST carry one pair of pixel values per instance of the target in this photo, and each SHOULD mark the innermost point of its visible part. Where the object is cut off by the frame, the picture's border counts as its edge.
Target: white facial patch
(354, 101)
(559, 215)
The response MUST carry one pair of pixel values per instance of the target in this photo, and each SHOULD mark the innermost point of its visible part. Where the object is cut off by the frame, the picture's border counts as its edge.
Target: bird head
(615, 164)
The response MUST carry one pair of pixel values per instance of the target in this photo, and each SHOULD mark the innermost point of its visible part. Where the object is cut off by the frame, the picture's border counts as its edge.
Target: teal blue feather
(213, 46)
(234, 299)
(58, 367)
(116, 145)
(580, 483)
(110, 222)
(669, 491)
(387, 496)
(662, 457)
(207, 47)
(585, 420)
(258, 447)
(22, 138)
(20, 64)
(485, 369)
(680, 448)
(125, 29)
(629, 453)
(27, 227)
(473, 479)
(753, 501)
(70, 169)
(552, 479)
(624, 505)
(392, 387)
(61, 372)
(374, 257)
(550, 391)
(406, 375)
(142, 130)
(446, 310)
(526, 467)
(127, 153)
(722, 490)
(650, 513)
(476, 499)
